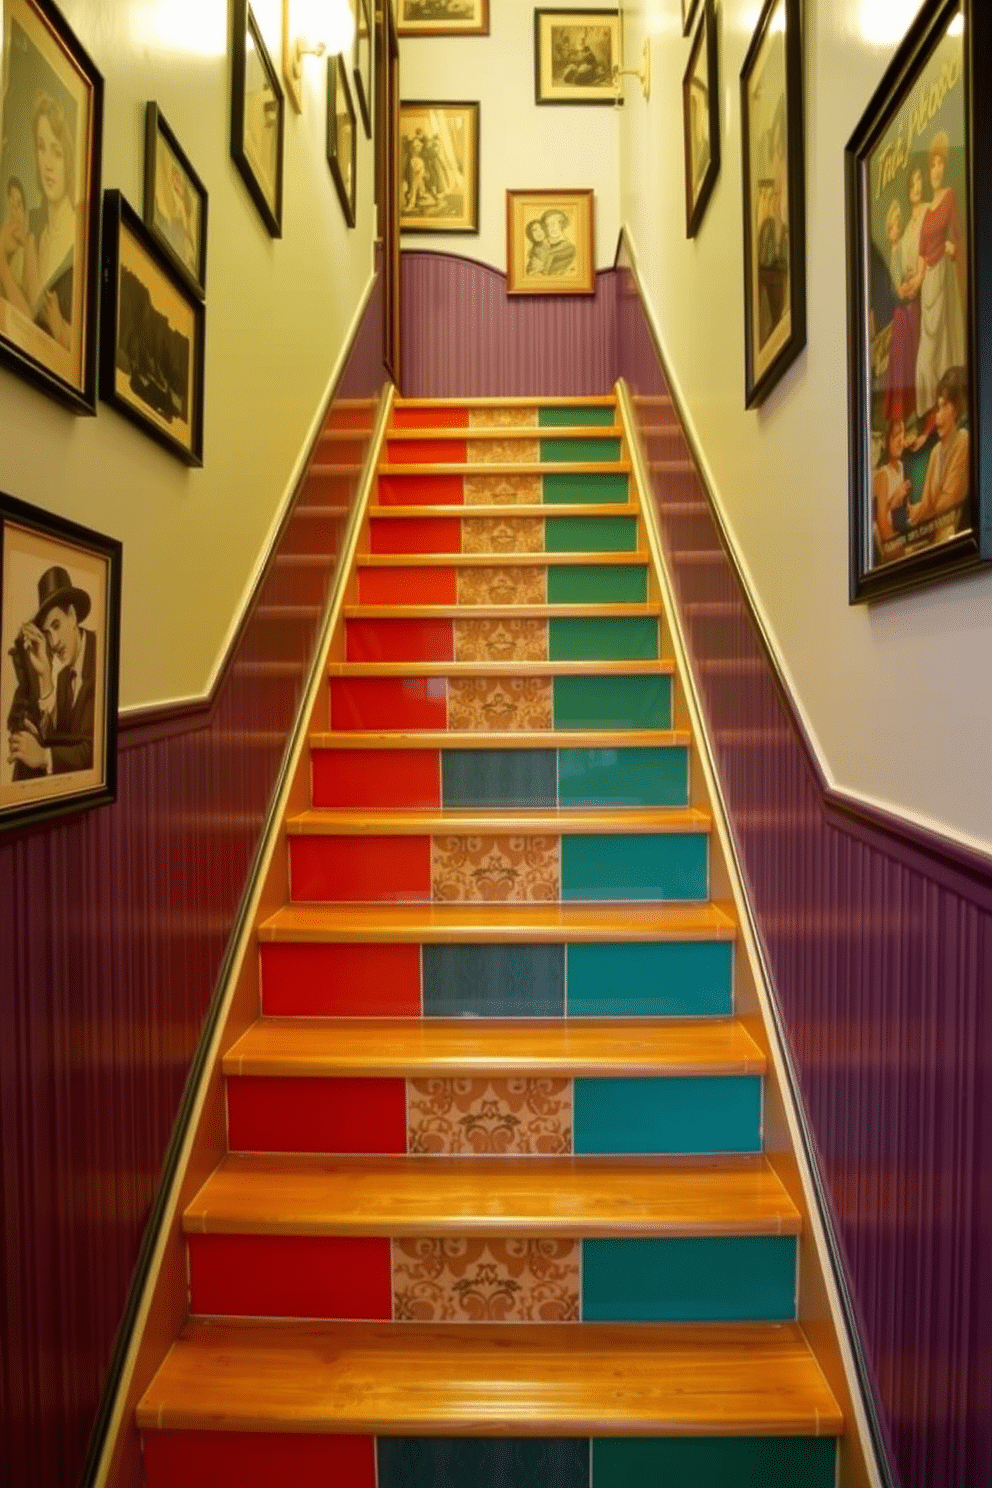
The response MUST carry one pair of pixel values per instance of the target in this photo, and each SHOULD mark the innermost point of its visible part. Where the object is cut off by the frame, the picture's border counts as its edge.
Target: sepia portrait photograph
(701, 120)
(175, 205)
(550, 242)
(439, 167)
(50, 132)
(59, 636)
(257, 118)
(442, 18)
(575, 54)
(342, 139)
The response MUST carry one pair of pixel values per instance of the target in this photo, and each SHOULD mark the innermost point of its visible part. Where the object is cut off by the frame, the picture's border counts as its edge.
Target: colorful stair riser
(503, 535)
(495, 704)
(492, 447)
(516, 416)
(503, 638)
(531, 488)
(503, 582)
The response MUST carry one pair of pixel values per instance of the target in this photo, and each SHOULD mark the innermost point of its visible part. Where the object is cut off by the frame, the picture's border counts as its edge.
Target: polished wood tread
(568, 1048)
(458, 1196)
(502, 560)
(503, 509)
(650, 611)
(325, 821)
(522, 467)
(650, 668)
(550, 739)
(508, 431)
(589, 1379)
(493, 924)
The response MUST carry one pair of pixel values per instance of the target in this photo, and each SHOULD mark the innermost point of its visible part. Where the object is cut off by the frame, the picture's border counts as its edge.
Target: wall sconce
(643, 72)
(309, 29)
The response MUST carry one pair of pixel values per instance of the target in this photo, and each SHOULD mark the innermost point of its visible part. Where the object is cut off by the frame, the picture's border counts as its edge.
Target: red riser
(283, 1114)
(430, 418)
(426, 451)
(408, 586)
(384, 778)
(298, 1276)
(400, 640)
(388, 703)
(421, 490)
(256, 1459)
(359, 870)
(340, 981)
(415, 535)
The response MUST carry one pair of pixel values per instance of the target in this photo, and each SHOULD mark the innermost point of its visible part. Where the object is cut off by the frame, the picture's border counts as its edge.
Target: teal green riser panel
(582, 451)
(690, 1279)
(665, 865)
(650, 979)
(597, 583)
(607, 638)
(482, 1462)
(498, 777)
(714, 1462)
(576, 418)
(493, 981)
(704, 1113)
(590, 534)
(623, 777)
(612, 702)
(572, 488)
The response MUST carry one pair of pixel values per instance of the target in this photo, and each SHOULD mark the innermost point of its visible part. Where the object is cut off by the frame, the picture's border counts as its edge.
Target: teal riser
(570, 488)
(670, 865)
(564, 777)
(593, 416)
(681, 1114)
(603, 638)
(612, 702)
(597, 583)
(629, 979)
(690, 1279)
(590, 534)
(582, 451)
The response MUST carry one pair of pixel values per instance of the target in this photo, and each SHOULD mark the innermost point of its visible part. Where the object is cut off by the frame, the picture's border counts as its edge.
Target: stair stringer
(821, 1312)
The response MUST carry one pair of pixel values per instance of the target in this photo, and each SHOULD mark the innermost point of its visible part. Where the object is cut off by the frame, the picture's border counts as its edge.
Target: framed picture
(151, 335)
(342, 138)
(688, 15)
(439, 167)
(60, 612)
(701, 120)
(258, 112)
(175, 206)
(550, 242)
(575, 55)
(362, 66)
(51, 130)
(442, 18)
(920, 310)
(774, 199)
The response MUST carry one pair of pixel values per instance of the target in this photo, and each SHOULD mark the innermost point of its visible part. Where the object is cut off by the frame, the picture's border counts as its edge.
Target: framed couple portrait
(550, 242)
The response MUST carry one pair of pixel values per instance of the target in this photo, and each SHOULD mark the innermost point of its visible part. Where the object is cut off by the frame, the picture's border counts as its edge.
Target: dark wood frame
(608, 93)
(415, 226)
(973, 546)
(688, 15)
(244, 22)
(363, 82)
(758, 384)
(58, 530)
(337, 78)
(516, 286)
(119, 215)
(706, 31)
(80, 399)
(156, 125)
(449, 28)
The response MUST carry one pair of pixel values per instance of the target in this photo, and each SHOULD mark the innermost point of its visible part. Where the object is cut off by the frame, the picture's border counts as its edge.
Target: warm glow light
(885, 22)
(186, 26)
(319, 26)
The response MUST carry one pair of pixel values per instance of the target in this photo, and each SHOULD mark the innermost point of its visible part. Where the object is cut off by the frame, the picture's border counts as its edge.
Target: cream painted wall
(896, 695)
(522, 146)
(278, 315)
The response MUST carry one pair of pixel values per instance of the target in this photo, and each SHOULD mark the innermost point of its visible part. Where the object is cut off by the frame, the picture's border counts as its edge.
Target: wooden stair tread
(500, 560)
(521, 467)
(505, 1196)
(466, 432)
(589, 1379)
(482, 924)
(501, 612)
(421, 1047)
(540, 509)
(654, 667)
(551, 739)
(634, 820)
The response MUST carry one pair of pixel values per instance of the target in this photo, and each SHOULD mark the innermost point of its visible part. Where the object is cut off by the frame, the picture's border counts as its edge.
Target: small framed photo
(362, 64)
(151, 335)
(575, 55)
(258, 116)
(920, 310)
(51, 130)
(60, 611)
(688, 15)
(442, 18)
(701, 120)
(439, 167)
(550, 242)
(342, 137)
(774, 199)
(175, 206)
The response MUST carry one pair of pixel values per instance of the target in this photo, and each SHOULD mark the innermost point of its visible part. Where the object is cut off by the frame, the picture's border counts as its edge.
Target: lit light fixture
(643, 73)
(309, 29)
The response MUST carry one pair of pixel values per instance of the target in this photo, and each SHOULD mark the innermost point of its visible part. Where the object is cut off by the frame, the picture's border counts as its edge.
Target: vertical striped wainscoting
(880, 943)
(113, 927)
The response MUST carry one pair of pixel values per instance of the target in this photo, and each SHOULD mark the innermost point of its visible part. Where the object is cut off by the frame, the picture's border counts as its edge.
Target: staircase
(495, 1211)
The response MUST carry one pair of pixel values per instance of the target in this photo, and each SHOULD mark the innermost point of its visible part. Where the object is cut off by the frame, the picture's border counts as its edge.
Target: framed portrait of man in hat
(60, 590)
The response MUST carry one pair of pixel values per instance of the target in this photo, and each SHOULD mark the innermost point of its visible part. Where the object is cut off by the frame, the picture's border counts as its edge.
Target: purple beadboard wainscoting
(879, 941)
(464, 337)
(113, 928)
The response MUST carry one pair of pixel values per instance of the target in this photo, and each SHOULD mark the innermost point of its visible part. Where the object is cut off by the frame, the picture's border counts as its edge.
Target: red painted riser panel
(283, 1114)
(421, 490)
(415, 535)
(388, 703)
(400, 640)
(378, 778)
(360, 870)
(254, 1459)
(426, 451)
(408, 586)
(341, 981)
(298, 1276)
(430, 418)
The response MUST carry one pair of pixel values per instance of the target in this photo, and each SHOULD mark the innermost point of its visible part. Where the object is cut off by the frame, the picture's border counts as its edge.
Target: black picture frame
(920, 311)
(176, 218)
(344, 171)
(688, 15)
(701, 101)
(774, 178)
(152, 335)
(572, 68)
(255, 139)
(60, 609)
(362, 63)
(48, 311)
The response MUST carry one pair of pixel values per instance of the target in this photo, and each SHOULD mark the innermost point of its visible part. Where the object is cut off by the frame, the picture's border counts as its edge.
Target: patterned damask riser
(504, 638)
(498, 705)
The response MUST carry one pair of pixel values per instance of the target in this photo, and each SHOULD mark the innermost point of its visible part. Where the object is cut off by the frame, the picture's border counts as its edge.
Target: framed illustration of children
(50, 141)
(917, 290)
(439, 167)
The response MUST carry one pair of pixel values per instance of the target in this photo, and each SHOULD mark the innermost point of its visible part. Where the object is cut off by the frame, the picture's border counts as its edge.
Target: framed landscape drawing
(258, 110)
(439, 167)
(774, 199)
(175, 205)
(701, 120)
(342, 136)
(60, 609)
(575, 54)
(51, 128)
(920, 310)
(550, 242)
(442, 18)
(151, 336)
